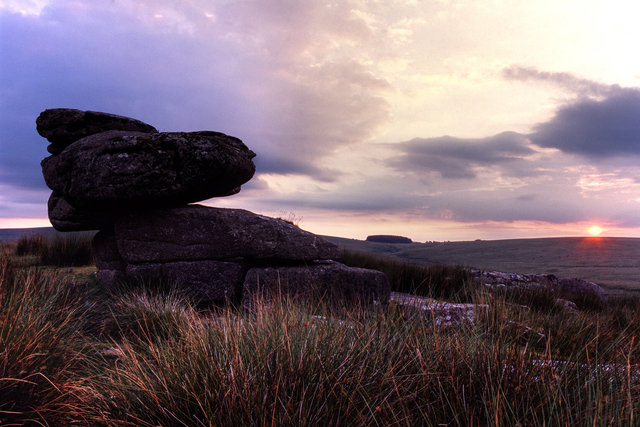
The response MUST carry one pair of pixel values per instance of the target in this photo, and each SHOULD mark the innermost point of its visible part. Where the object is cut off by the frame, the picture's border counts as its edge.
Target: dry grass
(149, 357)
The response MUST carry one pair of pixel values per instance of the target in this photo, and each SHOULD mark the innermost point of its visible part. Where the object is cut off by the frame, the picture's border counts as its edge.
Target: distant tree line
(388, 238)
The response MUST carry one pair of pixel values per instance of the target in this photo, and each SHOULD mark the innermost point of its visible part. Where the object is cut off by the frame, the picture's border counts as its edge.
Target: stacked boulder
(136, 185)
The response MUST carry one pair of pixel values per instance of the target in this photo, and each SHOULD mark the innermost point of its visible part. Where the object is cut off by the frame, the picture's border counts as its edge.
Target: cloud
(271, 73)
(457, 158)
(580, 86)
(595, 128)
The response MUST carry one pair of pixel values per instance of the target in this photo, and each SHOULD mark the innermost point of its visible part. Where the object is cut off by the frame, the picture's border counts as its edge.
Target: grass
(608, 261)
(436, 281)
(145, 356)
(71, 249)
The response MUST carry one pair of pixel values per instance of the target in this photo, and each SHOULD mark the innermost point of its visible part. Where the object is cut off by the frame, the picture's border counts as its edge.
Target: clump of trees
(388, 238)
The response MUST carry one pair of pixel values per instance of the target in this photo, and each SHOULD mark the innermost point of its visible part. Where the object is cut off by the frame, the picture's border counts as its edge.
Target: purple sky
(436, 120)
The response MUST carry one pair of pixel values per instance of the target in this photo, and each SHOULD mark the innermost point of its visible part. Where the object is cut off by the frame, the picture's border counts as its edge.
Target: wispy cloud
(580, 86)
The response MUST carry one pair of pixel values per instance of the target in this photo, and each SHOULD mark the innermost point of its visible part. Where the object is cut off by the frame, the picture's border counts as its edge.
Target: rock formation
(570, 293)
(135, 184)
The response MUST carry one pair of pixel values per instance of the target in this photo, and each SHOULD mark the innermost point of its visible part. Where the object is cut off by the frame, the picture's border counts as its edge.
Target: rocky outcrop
(199, 232)
(202, 281)
(120, 169)
(134, 184)
(62, 126)
(580, 293)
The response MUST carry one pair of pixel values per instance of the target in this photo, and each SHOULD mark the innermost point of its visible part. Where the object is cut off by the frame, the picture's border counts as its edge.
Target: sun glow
(594, 230)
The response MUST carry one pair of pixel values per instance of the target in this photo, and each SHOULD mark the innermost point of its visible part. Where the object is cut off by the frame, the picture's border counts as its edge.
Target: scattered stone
(580, 292)
(198, 232)
(122, 169)
(566, 305)
(329, 282)
(63, 126)
(435, 312)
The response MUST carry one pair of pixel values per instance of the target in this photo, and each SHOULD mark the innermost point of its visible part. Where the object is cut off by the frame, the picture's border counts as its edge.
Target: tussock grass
(40, 340)
(70, 249)
(285, 364)
(436, 281)
(151, 357)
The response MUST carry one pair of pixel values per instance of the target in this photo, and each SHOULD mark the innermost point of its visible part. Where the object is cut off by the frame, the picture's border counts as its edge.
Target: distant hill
(612, 262)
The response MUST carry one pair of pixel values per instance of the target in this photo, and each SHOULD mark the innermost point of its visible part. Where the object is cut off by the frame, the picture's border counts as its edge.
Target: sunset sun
(595, 230)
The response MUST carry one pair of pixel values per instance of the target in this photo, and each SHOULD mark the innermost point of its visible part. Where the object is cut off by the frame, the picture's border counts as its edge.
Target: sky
(437, 120)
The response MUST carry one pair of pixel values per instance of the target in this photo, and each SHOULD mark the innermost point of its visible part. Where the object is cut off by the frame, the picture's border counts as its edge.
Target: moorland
(73, 352)
(611, 262)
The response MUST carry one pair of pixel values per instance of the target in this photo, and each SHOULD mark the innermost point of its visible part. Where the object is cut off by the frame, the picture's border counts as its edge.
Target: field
(613, 263)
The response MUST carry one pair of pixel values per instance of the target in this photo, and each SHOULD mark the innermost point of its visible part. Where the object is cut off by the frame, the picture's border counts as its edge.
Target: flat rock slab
(203, 281)
(435, 312)
(123, 169)
(62, 126)
(329, 282)
(198, 232)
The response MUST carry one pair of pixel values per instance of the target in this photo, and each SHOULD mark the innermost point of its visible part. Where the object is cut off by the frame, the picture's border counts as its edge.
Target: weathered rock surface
(126, 169)
(134, 184)
(198, 232)
(65, 217)
(204, 281)
(578, 291)
(327, 281)
(435, 312)
(63, 126)
(105, 251)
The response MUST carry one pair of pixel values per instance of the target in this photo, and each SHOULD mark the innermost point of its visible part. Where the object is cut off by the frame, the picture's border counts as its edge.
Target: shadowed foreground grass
(144, 356)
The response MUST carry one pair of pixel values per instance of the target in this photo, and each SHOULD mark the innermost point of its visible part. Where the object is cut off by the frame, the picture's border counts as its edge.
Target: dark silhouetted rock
(105, 251)
(117, 169)
(65, 217)
(202, 281)
(198, 232)
(384, 238)
(326, 281)
(63, 126)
